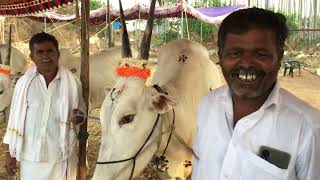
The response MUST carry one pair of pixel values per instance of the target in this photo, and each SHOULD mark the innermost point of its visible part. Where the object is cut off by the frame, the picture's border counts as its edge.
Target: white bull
(94, 42)
(101, 72)
(102, 76)
(18, 65)
(130, 111)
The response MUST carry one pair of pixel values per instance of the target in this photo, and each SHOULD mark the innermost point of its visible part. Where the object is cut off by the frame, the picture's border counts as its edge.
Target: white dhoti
(63, 170)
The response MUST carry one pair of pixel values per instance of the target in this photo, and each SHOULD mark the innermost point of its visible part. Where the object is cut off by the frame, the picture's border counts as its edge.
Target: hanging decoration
(4, 69)
(133, 68)
(30, 7)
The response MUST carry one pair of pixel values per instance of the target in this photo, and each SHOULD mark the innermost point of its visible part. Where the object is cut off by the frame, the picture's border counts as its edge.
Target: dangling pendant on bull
(160, 163)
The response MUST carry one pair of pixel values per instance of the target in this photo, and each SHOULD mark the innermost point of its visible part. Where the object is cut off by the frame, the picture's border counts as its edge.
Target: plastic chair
(291, 65)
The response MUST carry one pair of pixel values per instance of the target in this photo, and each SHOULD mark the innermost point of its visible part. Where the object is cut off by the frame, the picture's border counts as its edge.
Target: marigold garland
(129, 71)
(5, 70)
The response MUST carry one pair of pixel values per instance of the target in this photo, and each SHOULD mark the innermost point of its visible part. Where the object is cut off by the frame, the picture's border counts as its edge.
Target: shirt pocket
(259, 169)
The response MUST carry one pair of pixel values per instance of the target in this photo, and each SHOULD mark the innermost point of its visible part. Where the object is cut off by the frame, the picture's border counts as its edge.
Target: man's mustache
(247, 71)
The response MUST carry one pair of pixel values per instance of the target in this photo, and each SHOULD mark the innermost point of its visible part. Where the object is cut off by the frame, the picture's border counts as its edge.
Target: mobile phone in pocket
(274, 156)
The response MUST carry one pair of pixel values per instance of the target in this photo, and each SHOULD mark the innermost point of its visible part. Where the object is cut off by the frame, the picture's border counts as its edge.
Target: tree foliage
(95, 4)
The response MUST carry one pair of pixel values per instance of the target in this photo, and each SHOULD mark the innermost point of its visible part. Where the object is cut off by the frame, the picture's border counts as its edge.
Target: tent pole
(106, 31)
(45, 24)
(186, 17)
(182, 24)
(84, 77)
(3, 25)
(201, 31)
(110, 44)
(1, 32)
(187, 25)
(16, 29)
(165, 30)
(139, 29)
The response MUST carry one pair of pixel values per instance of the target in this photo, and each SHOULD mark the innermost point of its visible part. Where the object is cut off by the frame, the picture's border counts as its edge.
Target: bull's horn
(9, 48)
(125, 47)
(145, 43)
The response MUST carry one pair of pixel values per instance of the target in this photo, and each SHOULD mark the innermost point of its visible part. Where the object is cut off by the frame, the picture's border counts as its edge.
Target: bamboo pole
(201, 32)
(8, 57)
(110, 44)
(45, 24)
(84, 76)
(2, 27)
(16, 30)
(182, 24)
(315, 11)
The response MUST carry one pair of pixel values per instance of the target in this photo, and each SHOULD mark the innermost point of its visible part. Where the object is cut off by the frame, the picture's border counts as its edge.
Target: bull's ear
(162, 103)
(107, 89)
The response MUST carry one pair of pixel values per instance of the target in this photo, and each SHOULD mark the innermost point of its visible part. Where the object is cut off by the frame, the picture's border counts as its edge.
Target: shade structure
(30, 7)
(141, 11)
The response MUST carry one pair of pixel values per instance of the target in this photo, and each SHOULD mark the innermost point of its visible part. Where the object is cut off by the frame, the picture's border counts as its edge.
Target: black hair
(246, 19)
(42, 37)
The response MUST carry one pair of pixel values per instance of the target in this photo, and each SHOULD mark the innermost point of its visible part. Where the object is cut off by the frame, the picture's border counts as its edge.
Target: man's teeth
(247, 77)
(46, 60)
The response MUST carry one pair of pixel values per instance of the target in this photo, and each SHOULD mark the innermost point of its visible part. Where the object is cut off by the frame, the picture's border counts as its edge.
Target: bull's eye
(1, 92)
(126, 119)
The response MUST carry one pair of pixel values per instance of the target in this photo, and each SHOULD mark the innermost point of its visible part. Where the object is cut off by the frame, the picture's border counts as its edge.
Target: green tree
(95, 4)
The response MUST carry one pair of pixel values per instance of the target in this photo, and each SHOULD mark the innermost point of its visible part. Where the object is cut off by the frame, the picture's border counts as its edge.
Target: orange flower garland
(5, 70)
(130, 67)
(129, 71)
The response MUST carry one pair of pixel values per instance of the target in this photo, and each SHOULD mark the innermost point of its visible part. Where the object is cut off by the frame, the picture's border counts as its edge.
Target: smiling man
(41, 131)
(252, 128)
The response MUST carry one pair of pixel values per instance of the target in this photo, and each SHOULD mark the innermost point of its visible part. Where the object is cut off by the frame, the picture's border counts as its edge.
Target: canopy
(141, 11)
(29, 7)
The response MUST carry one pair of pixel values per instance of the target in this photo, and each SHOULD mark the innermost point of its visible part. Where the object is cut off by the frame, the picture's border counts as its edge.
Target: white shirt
(43, 118)
(283, 122)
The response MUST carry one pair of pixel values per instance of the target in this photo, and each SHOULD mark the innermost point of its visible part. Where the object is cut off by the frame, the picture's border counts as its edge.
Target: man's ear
(161, 103)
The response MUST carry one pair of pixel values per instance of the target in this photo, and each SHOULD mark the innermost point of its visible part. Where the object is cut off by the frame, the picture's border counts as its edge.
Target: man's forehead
(253, 37)
(44, 45)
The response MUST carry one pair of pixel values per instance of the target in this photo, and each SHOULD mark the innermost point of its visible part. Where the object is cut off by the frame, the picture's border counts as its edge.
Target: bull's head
(134, 117)
(126, 135)
(7, 80)
(10, 71)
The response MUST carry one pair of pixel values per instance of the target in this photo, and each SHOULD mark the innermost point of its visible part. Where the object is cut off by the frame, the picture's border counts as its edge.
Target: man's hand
(76, 119)
(10, 164)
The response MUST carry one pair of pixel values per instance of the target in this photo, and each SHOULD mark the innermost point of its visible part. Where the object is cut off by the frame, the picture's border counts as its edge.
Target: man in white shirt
(252, 129)
(42, 131)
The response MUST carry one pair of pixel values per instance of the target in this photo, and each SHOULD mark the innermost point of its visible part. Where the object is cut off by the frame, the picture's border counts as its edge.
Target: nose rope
(136, 155)
(87, 117)
(133, 158)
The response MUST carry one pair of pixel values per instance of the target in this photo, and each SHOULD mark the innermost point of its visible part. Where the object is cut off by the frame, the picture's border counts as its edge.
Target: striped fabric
(29, 7)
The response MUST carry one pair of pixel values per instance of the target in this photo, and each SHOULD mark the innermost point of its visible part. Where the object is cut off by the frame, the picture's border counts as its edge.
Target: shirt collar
(58, 75)
(273, 98)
